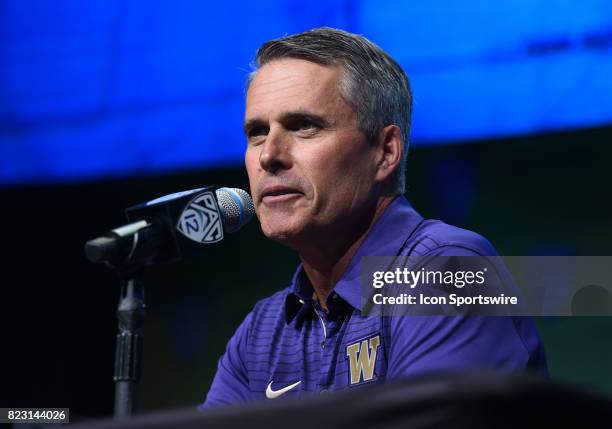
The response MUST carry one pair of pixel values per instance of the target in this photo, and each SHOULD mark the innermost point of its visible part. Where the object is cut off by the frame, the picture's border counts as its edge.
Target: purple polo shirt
(287, 346)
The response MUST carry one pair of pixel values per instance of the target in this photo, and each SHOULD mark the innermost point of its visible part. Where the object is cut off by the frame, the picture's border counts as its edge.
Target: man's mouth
(278, 194)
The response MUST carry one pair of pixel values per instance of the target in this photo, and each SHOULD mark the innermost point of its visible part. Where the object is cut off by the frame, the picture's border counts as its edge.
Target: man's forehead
(295, 69)
(292, 82)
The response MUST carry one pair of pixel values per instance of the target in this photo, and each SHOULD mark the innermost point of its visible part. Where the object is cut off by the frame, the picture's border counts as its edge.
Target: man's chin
(286, 236)
(279, 235)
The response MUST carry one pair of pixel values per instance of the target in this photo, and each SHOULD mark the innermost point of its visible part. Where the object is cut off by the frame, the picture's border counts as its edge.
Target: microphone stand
(153, 236)
(132, 248)
(128, 352)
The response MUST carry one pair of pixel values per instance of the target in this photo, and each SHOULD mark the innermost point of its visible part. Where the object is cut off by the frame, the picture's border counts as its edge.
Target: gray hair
(373, 82)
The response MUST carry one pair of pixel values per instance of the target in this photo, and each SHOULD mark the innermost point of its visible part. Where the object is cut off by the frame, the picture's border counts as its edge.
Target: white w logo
(362, 359)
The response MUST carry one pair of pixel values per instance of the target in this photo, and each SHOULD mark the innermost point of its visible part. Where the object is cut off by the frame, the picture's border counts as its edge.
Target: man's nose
(276, 154)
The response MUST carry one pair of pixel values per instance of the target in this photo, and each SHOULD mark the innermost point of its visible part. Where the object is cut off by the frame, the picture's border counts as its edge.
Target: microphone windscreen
(236, 208)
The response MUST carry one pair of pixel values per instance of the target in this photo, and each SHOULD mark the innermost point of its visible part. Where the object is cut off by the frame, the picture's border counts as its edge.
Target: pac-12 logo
(200, 220)
(362, 359)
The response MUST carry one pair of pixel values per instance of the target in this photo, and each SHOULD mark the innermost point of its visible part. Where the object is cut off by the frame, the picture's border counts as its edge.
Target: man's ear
(391, 150)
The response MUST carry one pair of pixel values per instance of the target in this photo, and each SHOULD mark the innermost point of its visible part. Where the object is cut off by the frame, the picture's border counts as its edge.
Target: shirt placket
(328, 352)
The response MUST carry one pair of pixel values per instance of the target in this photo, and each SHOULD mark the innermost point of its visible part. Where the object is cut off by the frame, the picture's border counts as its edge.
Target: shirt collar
(301, 296)
(386, 238)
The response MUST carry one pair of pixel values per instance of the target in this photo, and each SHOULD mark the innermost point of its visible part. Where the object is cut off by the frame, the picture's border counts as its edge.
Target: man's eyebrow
(288, 117)
(252, 123)
(302, 115)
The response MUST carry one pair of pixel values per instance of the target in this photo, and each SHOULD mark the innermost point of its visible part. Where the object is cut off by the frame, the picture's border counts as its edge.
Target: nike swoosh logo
(273, 394)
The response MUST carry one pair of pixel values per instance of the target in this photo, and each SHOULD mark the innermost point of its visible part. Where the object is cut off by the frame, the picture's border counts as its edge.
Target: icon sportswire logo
(273, 394)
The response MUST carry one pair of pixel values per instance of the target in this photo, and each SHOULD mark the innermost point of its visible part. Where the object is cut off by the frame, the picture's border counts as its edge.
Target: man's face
(311, 169)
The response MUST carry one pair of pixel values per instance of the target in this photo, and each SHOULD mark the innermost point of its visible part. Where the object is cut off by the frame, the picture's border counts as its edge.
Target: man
(327, 123)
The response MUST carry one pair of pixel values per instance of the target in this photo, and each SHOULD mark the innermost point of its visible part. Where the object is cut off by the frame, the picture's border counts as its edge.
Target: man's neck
(326, 262)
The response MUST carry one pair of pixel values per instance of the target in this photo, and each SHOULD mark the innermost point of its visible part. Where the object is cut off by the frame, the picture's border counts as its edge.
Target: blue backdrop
(98, 88)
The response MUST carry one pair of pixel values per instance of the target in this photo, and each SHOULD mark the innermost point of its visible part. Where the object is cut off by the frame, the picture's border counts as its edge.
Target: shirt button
(323, 344)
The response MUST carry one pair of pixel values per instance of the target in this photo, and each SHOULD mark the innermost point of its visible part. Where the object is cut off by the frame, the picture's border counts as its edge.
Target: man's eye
(257, 133)
(308, 126)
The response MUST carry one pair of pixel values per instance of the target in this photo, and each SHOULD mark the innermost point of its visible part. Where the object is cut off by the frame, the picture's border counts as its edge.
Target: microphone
(172, 227)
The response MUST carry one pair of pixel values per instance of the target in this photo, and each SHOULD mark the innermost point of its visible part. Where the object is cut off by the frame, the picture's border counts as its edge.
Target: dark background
(542, 195)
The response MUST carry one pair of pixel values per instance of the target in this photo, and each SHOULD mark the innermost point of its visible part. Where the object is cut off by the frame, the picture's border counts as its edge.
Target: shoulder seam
(459, 246)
